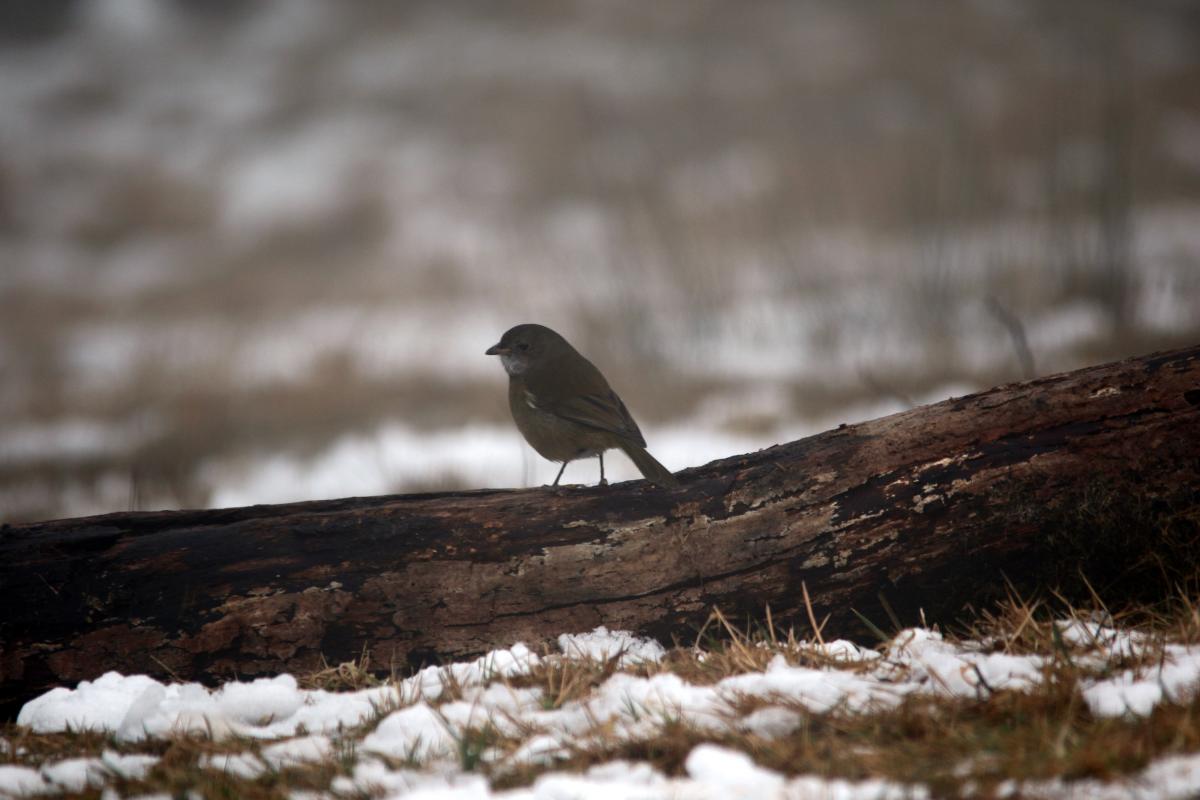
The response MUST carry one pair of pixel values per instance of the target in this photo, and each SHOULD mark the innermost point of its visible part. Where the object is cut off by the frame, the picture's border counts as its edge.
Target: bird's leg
(560, 472)
(602, 481)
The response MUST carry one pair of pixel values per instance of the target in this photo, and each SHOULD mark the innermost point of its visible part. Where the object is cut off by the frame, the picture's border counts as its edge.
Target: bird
(564, 407)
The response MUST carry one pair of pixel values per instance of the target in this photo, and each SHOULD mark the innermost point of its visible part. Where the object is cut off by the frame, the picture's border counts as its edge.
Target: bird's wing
(604, 412)
(587, 400)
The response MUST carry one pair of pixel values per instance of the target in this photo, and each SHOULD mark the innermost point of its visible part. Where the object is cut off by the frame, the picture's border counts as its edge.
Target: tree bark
(926, 509)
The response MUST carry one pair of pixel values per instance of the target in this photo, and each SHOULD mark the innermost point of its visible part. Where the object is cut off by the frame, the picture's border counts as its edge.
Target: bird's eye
(523, 346)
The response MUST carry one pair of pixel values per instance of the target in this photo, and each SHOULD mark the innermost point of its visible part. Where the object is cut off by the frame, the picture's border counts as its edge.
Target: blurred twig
(1016, 332)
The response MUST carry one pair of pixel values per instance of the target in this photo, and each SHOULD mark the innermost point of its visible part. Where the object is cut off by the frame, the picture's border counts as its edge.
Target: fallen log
(919, 512)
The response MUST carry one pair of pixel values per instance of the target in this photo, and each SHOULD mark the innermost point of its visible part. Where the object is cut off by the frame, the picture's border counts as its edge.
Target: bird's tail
(648, 465)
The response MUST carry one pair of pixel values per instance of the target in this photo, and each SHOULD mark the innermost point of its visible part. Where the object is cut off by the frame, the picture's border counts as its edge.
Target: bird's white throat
(513, 365)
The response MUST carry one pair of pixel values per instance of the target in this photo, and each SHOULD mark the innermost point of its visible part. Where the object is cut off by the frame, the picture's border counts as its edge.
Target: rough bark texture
(927, 507)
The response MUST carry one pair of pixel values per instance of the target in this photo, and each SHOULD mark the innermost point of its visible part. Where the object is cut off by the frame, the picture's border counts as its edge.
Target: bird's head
(527, 346)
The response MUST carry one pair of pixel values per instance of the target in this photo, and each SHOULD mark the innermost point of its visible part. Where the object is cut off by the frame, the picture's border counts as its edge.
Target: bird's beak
(497, 350)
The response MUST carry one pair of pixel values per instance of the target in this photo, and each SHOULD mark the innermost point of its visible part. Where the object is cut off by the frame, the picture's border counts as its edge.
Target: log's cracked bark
(928, 507)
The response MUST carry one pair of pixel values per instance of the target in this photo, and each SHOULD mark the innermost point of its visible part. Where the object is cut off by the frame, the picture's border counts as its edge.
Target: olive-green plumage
(564, 407)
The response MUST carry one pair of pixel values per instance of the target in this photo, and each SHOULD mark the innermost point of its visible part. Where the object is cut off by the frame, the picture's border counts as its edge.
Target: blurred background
(253, 252)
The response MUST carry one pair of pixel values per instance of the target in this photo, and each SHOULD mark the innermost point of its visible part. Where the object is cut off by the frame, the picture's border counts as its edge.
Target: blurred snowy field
(454, 731)
(253, 253)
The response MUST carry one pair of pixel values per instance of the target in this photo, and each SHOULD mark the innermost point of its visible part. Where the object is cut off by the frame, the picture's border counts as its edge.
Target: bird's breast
(552, 436)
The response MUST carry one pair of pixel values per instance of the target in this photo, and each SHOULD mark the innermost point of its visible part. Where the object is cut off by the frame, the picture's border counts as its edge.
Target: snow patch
(602, 645)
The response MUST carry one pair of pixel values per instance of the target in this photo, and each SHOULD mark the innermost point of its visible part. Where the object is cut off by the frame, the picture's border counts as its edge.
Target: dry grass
(348, 676)
(564, 680)
(950, 744)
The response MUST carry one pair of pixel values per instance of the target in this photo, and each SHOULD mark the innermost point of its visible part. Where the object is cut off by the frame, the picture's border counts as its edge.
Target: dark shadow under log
(928, 508)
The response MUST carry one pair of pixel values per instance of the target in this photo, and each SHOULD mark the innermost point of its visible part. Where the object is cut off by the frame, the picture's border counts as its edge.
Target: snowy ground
(566, 723)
